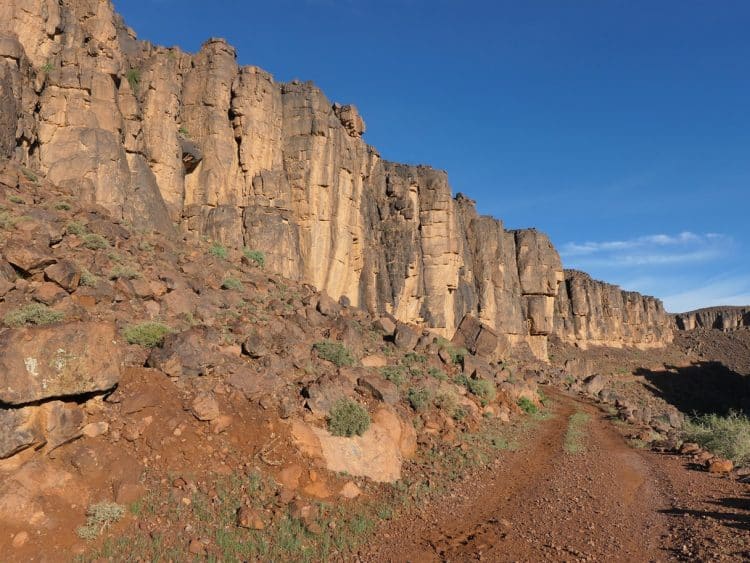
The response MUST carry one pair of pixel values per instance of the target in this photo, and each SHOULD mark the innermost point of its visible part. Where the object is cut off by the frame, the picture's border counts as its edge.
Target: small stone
(205, 407)
(95, 429)
(20, 539)
(196, 547)
(220, 424)
(720, 466)
(249, 518)
(350, 490)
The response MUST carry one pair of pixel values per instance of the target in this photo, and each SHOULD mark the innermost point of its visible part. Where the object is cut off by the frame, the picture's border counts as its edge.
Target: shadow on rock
(702, 387)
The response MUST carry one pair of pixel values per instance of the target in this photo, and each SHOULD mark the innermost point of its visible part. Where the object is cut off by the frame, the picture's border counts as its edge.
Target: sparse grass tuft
(7, 221)
(231, 283)
(255, 256)
(334, 352)
(574, 436)
(95, 242)
(484, 389)
(726, 436)
(149, 334)
(437, 374)
(348, 418)
(133, 76)
(394, 374)
(419, 398)
(88, 279)
(34, 313)
(218, 251)
(126, 272)
(527, 405)
(99, 517)
(75, 228)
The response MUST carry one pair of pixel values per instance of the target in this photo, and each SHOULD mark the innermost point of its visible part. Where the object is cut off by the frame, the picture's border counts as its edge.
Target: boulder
(380, 388)
(476, 337)
(27, 257)
(593, 385)
(70, 359)
(406, 337)
(64, 273)
(205, 407)
(19, 429)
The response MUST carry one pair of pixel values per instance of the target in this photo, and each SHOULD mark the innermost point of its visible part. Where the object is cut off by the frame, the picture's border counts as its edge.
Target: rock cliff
(723, 318)
(594, 312)
(164, 139)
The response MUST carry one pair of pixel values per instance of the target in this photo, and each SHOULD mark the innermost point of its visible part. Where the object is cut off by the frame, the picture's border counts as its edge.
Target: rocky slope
(723, 318)
(161, 138)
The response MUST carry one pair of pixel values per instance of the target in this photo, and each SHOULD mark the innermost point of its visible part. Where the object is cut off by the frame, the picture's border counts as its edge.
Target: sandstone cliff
(594, 312)
(722, 318)
(162, 138)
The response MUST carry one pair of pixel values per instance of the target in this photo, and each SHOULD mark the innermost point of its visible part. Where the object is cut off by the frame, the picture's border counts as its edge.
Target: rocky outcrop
(588, 311)
(723, 318)
(162, 138)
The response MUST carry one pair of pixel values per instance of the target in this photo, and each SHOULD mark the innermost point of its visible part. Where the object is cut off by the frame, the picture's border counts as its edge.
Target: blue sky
(619, 127)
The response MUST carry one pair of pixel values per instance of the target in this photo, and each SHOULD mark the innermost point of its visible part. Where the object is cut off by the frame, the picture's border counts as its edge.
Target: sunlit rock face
(197, 143)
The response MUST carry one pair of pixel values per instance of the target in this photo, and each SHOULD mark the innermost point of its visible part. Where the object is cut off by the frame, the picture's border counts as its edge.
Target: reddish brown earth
(610, 502)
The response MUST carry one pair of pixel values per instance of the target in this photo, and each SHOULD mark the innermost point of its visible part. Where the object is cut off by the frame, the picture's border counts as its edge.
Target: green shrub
(484, 389)
(394, 374)
(30, 174)
(63, 206)
(419, 398)
(231, 283)
(460, 413)
(34, 313)
(88, 279)
(218, 251)
(457, 354)
(133, 76)
(334, 352)
(75, 228)
(7, 221)
(183, 132)
(348, 418)
(255, 256)
(149, 334)
(16, 199)
(447, 402)
(527, 405)
(726, 436)
(414, 358)
(437, 374)
(98, 518)
(122, 271)
(95, 242)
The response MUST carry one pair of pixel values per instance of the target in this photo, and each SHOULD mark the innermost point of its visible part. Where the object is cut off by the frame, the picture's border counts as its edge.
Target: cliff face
(593, 312)
(722, 318)
(162, 138)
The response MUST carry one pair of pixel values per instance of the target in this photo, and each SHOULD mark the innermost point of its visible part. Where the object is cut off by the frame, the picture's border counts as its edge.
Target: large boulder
(38, 363)
(476, 337)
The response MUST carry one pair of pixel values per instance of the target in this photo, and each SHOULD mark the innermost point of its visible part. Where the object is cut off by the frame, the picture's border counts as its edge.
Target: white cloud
(658, 249)
(727, 291)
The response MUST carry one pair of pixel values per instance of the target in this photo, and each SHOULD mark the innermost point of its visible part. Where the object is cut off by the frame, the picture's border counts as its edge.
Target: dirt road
(608, 502)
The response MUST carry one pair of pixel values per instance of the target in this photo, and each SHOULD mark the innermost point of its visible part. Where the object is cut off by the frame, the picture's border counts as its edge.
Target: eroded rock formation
(163, 138)
(722, 318)
(594, 312)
